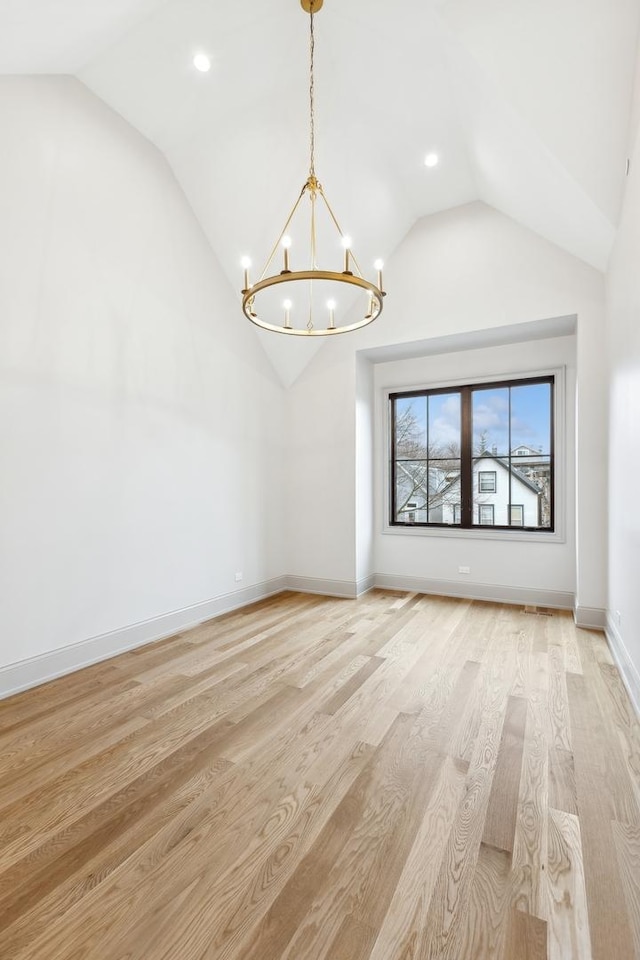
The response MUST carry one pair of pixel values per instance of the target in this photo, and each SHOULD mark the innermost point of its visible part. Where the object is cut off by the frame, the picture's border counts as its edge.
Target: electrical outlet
(464, 569)
(238, 576)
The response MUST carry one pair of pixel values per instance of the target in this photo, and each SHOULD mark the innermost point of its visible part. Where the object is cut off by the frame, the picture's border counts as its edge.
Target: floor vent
(539, 611)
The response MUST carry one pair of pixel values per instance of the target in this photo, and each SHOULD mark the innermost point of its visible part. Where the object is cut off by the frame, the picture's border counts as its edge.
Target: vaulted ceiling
(528, 106)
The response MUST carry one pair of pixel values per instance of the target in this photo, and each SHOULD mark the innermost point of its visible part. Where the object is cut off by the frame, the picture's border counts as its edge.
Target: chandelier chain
(312, 144)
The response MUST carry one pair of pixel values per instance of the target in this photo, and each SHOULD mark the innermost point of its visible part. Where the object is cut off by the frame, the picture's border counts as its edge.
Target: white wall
(320, 479)
(547, 563)
(365, 467)
(141, 430)
(468, 269)
(623, 329)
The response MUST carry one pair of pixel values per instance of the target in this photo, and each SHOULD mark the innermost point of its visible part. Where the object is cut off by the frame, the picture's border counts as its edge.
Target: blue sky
(529, 417)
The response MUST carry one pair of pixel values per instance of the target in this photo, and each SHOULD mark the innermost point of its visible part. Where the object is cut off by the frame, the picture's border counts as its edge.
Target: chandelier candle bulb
(332, 320)
(346, 243)
(287, 314)
(379, 264)
(370, 310)
(246, 263)
(286, 243)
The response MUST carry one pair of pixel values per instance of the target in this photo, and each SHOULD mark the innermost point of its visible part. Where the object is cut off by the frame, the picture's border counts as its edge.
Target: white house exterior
(491, 505)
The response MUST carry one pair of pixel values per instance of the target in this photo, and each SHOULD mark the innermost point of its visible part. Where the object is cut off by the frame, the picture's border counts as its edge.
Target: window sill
(477, 533)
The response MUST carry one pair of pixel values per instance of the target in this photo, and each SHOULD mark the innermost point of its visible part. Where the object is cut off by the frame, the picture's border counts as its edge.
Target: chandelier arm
(314, 260)
(310, 320)
(338, 228)
(282, 232)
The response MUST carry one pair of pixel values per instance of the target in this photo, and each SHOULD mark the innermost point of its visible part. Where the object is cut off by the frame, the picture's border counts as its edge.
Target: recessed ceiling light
(201, 62)
(431, 160)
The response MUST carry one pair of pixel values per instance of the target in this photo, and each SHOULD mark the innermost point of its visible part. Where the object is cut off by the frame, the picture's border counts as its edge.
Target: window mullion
(466, 467)
(509, 448)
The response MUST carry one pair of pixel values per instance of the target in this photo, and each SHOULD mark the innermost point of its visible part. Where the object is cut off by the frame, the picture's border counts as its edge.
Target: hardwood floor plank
(43, 701)
(444, 927)
(445, 709)
(562, 781)
(346, 690)
(627, 843)
(33, 914)
(529, 862)
(526, 937)
(568, 912)
(609, 924)
(301, 923)
(232, 804)
(625, 801)
(35, 877)
(625, 720)
(500, 823)
(569, 638)
(250, 883)
(523, 642)
(405, 922)
(485, 925)
(392, 795)
(321, 658)
(354, 940)
(29, 777)
(560, 725)
(442, 642)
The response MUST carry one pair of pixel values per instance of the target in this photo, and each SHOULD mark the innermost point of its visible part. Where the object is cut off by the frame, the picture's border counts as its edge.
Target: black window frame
(467, 457)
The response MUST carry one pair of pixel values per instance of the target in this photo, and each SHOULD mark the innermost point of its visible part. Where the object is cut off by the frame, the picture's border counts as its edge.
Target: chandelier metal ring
(375, 308)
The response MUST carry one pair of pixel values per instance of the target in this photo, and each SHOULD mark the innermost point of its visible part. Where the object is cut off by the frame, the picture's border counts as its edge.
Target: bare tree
(424, 476)
(410, 436)
(482, 445)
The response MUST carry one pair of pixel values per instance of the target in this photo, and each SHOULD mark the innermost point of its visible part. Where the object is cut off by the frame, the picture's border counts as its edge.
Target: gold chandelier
(311, 304)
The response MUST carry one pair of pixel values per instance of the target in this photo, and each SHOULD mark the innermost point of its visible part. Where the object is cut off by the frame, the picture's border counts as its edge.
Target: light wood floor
(393, 778)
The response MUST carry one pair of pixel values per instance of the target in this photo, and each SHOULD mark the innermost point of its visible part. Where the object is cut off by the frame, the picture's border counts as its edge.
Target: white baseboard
(364, 585)
(628, 670)
(36, 670)
(347, 589)
(499, 593)
(591, 618)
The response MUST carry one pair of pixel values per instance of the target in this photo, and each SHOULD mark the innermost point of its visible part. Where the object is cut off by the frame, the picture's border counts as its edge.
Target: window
(486, 481)
(485, 514)
(470, 456)
(517, 515)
